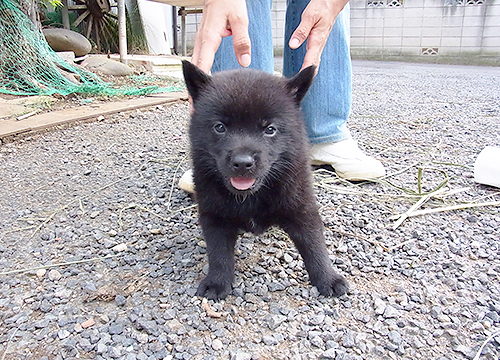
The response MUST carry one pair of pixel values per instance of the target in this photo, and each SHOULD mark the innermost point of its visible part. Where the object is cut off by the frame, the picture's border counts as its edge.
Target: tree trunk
(30, 8)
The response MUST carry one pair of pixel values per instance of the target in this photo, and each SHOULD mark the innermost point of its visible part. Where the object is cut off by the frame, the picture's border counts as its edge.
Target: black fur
(246, 131)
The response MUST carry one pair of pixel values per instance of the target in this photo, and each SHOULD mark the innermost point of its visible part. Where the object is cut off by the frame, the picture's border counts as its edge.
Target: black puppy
(251, 170)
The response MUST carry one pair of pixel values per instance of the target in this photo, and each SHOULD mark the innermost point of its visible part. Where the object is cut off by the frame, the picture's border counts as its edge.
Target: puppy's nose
(243, 162)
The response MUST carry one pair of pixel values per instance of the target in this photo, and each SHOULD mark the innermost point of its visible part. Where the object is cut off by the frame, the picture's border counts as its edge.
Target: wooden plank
(184, 3)
(59, 117)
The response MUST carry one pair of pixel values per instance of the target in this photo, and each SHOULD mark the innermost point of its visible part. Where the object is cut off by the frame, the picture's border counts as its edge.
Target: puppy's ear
(195, 79)
(299, 84)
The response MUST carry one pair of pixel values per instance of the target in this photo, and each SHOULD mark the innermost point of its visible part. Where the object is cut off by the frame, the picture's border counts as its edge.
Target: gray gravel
(105, 190)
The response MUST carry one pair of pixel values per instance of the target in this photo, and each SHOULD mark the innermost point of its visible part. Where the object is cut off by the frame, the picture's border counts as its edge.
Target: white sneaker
(347, 159)
(186, 182)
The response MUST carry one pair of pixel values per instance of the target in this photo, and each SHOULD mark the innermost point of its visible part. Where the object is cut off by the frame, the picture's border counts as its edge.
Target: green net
(29, 66)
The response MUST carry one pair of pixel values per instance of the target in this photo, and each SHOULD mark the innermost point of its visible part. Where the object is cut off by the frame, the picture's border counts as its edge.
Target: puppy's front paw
(335, 285)
(214, 288)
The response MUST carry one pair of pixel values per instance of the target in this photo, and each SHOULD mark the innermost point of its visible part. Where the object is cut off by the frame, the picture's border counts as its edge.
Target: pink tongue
(242, 183)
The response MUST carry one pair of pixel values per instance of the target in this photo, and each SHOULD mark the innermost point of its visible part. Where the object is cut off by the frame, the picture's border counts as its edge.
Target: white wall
(157, 21)
(426, 28)
(409, 28)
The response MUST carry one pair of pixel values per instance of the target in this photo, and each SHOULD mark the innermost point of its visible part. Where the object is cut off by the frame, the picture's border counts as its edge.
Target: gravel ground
(101, 196)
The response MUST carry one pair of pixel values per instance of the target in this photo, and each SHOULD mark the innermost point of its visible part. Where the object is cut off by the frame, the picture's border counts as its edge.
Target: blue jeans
(327, 104)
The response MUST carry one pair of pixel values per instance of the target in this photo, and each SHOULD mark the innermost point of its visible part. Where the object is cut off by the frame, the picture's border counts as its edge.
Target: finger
(314, 50)
(241, 40)
(311, 59)
(191, 106)
(204, 51)
(302, 32)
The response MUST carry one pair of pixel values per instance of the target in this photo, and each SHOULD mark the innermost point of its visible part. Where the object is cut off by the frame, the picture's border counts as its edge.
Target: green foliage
(54, 3)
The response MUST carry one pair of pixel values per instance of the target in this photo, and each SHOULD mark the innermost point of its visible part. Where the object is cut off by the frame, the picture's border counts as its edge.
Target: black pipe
(174, 30)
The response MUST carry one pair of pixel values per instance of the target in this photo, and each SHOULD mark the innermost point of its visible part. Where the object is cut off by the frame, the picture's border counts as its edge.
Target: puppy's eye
(220, 128)
(270, 130)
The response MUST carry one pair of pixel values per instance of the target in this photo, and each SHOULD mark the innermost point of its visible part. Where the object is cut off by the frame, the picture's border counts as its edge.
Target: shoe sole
(350, 176)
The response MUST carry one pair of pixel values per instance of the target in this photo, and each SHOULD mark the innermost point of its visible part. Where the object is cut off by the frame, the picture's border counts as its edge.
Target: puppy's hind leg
(220, 239)
(306, 232)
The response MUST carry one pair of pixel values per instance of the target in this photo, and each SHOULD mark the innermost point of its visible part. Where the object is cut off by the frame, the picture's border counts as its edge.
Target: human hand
(222, 18)
(316, 24)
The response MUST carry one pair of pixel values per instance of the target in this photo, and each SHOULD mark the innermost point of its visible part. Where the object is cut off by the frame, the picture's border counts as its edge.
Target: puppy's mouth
(242, 183)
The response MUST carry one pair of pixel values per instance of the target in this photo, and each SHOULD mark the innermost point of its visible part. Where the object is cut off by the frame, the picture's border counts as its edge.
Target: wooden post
(183, 30)
(64, 14)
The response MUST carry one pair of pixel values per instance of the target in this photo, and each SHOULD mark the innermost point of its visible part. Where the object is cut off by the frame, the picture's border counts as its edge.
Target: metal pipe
(122, 31)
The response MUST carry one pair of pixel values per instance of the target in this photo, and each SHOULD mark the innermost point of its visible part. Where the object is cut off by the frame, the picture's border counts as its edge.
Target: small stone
(108, 243)
(287, 258)
(63, 334)
(443, 318)
(348, 341)
(379, 306)
(390, 312)
(155, 231)
(115, 329)
(112, 233)
(269, 340)
(142, 338)
(493, 316)
(54, 275)
(462, 349)
(314, 292)
(318, 342)
(329, 354)
(217, 345)
(273, 321)
(174, 325)
(41, 273)
(89, 287)
(259, 270)
(391, 347)
(119, 247)
(88, 323)
(477, 327)
(240, 355)
(86, 345)
(78, 328)
(342, 248)
(120, 300)
(378, 350)
(114, 352)
(436, 311)
(104, 318)
(45, 306)
(395, 337)
(317, 320)
(101, 348)
(149, 326)
(276, 286)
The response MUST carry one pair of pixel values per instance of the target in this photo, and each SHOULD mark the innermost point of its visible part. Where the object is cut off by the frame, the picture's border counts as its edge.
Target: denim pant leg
(261, 37)
(327, 104)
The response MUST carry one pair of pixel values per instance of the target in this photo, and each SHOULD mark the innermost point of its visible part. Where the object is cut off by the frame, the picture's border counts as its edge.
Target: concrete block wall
(462, 31)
